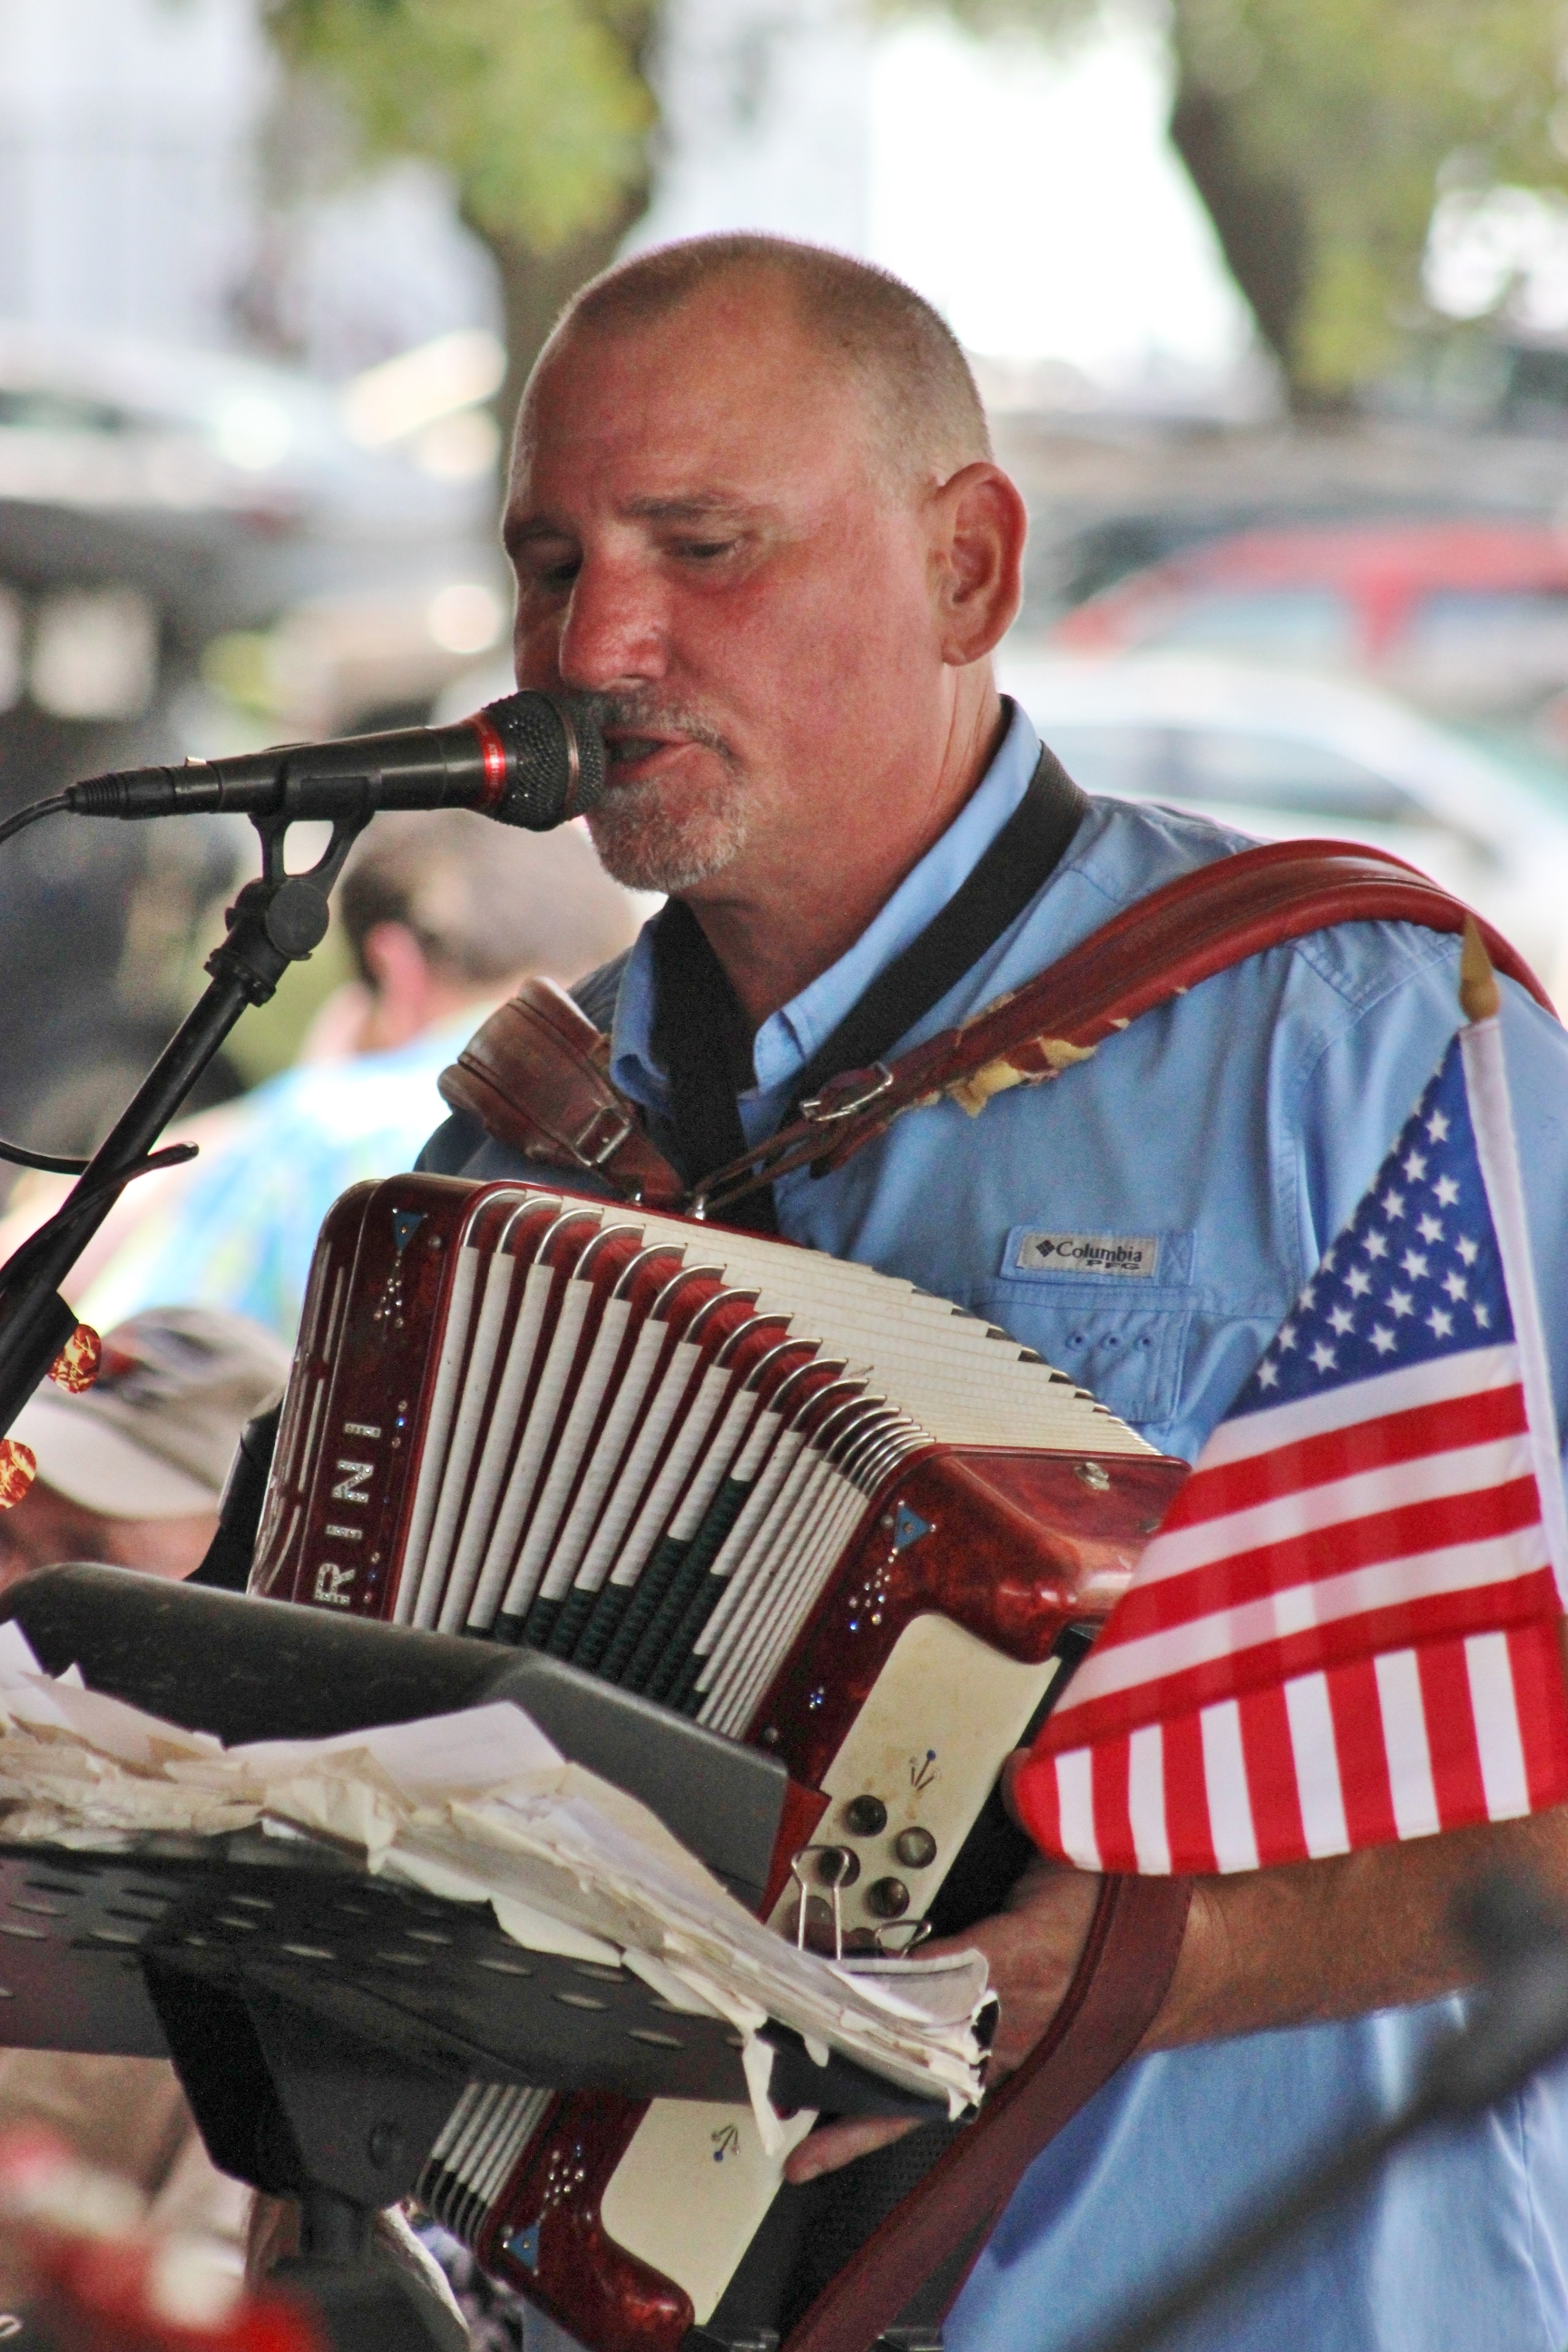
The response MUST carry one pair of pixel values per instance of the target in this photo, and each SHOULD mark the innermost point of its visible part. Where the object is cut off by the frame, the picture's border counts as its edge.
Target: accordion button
(888, 1897)
(916, 1849)
(865, 1817)
(837, 1866)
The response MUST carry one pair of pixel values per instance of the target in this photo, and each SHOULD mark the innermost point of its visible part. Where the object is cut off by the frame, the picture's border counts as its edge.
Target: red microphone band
(494, 754)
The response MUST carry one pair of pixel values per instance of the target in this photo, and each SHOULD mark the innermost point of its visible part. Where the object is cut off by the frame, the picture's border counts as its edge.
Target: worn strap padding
(1121, 1980)
(1163, 945)
(534, 1076)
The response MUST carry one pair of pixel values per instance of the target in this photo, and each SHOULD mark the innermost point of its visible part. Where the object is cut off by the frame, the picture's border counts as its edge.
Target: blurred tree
(1319, 134)
(539, 109)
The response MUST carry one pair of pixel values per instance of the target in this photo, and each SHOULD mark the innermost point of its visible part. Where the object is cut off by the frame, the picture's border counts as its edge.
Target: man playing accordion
(753, 511)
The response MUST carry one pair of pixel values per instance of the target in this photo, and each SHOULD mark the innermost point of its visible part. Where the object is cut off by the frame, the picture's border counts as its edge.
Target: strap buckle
(588, 1150)
(825, 1108)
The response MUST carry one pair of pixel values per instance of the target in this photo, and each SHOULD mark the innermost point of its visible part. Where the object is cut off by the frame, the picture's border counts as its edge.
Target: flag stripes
(1440, 1736)
(1335, 1457)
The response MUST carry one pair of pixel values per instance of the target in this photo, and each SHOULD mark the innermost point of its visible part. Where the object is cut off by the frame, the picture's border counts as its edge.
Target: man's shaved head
(924, 411)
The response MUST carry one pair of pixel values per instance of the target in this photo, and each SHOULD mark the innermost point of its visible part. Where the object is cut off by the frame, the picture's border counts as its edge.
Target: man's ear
(979, 526)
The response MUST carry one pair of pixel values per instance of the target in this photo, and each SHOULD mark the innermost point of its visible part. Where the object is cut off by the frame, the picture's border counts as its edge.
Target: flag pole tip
(1480, 999)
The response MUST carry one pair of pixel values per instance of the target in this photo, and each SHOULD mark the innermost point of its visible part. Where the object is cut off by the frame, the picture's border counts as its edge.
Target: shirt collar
(789, 1038)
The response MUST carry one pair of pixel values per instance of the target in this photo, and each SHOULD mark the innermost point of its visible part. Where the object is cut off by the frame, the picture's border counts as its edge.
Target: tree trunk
(535, 286)
(1262, 222)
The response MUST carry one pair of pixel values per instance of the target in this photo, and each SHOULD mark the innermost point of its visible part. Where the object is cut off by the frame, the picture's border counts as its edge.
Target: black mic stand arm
(276, 921)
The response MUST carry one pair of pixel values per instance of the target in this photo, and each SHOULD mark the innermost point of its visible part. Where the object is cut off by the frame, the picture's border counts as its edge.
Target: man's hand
(1033, 1948)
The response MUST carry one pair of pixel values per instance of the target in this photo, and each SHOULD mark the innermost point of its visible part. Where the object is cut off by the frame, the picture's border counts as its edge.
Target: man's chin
(646, 849)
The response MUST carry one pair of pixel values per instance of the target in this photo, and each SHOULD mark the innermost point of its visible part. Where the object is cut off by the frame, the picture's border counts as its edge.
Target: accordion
(803, 1502)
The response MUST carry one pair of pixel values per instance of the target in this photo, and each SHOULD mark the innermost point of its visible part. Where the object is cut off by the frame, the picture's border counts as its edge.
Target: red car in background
(1468, 617)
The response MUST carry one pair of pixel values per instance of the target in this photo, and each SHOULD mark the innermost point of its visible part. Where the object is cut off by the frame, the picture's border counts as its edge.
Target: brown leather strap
(535, 1078)
(1160, 947)
(1119, 1984)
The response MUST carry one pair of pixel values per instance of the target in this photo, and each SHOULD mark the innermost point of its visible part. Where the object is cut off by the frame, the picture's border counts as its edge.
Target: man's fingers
(836, 2144)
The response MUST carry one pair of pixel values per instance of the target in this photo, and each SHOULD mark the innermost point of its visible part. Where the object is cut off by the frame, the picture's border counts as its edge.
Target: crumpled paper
(481, 1807)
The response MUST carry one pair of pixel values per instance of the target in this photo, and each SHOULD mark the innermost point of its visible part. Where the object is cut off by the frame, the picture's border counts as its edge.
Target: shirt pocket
(1122, 1338)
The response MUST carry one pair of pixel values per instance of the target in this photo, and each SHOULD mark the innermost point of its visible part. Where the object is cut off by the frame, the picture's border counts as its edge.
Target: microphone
(532, 759)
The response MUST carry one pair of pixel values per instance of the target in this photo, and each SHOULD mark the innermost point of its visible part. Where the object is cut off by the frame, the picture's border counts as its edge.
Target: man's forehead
(672, 426)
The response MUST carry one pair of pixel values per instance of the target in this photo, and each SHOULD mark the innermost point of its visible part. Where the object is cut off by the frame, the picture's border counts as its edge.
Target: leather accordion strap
(1121, 1980)
(1163, 945)
(535, 1074)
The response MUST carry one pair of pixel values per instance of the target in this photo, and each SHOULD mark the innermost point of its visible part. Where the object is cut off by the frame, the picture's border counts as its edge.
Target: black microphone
(532, 759)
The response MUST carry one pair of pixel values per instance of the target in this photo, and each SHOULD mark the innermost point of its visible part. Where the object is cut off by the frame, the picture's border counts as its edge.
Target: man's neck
(774, 943)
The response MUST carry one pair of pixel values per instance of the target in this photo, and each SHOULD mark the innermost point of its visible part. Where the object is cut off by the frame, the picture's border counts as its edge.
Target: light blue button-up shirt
(1206, 1155)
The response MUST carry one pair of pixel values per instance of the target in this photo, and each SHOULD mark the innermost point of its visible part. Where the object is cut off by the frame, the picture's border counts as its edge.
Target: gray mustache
(641, 715)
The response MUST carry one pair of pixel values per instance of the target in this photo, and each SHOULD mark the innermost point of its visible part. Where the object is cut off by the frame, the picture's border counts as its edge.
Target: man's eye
(706, 551)
(554, 575)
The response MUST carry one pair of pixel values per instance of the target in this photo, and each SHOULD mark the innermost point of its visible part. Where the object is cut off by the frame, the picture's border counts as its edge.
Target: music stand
(324, 2022)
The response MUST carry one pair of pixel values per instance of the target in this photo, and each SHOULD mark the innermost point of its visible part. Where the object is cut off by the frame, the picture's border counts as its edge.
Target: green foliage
(537, 107)
(1346, 118)
(1365, 109)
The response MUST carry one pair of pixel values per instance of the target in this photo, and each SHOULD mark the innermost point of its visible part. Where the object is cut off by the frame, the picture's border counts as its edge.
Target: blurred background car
(193, 545)
(1465, 616)
(1277, 754)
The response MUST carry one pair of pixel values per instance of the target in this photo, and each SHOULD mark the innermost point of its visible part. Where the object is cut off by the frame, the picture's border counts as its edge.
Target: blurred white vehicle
(1283, 753)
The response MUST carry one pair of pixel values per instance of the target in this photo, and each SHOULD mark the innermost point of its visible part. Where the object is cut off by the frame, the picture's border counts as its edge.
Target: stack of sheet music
(480, 1806)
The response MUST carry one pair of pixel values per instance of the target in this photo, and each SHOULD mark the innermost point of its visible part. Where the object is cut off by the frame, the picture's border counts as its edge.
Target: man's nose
(613, 631)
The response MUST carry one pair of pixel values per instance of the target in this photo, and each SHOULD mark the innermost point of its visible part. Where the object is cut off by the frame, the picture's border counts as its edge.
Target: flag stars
(1404, 1279)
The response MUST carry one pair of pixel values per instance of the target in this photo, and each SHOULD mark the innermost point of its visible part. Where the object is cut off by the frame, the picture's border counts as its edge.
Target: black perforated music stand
(324, 2022)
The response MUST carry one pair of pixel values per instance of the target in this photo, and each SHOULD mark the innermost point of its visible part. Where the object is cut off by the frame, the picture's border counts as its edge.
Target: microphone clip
(280, 917)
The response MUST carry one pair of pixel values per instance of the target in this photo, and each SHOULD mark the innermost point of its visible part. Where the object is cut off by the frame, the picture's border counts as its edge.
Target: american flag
(1346, 1630)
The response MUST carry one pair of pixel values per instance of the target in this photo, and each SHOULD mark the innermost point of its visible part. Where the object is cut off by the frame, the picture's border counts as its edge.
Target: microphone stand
(258, 2071)
(275, 921)
(1521, 2025)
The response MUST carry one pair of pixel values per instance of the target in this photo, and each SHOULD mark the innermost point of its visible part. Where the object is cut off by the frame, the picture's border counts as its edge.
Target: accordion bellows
(643, 1444)
(798, 1500)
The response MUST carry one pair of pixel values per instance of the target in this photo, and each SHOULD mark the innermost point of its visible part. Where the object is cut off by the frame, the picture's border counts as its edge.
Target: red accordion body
(796, 1499)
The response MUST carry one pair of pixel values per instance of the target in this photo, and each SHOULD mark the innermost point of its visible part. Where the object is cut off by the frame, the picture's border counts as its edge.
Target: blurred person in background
(131, 1470)
(444, 916)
